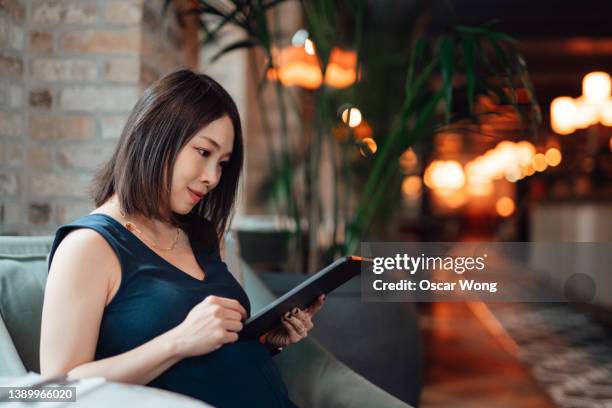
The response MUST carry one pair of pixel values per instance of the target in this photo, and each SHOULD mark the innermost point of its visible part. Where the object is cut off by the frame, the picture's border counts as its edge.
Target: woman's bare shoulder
(85, 256)
(86, 241)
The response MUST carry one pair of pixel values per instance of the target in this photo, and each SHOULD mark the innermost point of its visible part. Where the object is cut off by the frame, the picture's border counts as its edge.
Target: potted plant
(444, 72)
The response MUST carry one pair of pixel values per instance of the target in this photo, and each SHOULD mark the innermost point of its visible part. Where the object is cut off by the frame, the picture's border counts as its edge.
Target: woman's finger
(297, 324)
(232, 325)
(305, 319)
(293, 334)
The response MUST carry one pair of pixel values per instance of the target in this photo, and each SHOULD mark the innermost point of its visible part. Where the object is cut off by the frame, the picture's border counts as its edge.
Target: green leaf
(468, 56)
(229, 18)
(446, 66)
(416, 55)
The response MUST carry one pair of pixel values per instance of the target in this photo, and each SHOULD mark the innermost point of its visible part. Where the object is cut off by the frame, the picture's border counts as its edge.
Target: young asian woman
(137, 290)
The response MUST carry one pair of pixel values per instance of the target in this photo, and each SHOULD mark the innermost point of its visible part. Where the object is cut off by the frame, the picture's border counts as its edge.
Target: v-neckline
(115, 221)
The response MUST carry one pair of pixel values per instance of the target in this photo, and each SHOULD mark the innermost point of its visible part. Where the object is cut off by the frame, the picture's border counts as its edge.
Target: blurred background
(394, 120)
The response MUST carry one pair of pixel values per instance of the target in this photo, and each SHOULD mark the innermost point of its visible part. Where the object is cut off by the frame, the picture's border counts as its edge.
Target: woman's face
(199, 164)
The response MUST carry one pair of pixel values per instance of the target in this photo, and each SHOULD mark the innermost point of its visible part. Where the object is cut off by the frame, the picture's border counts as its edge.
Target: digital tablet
(302, 296)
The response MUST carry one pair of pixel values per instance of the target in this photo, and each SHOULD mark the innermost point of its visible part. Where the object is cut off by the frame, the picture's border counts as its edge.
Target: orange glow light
(411, 187)
(368, 147)
(553, 156)
(363, 130)
(539, 162)
(562, 115)
(444, 176)
(594, 106)
(342, 68)
(596, 87)
(408, 161)
(505, 207)
(296, 65)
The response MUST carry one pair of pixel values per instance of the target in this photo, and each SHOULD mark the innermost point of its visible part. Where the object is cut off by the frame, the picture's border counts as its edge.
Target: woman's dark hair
(169, 113)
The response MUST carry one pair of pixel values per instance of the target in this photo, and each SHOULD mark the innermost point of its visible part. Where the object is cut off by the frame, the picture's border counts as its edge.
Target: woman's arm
(137, 366)
(75, 296)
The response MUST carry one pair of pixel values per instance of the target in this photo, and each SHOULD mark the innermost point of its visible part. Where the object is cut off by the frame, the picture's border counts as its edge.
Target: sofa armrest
(314, 377)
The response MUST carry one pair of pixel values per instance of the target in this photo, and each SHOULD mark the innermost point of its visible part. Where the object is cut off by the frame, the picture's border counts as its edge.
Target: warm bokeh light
(309, 47)
(513, 174)
(480, 189)
(505, 206)
(355, 117)
(587, 113)
(527, 170)
(539, 162)
(506, 160)
(299, 65)
(296, 67)
(412, 187)
(341, 71)
(453, 198)
(444, 176)
(594, 106)
(596, 87)
(606, 114)
(408, 161)
(476, 183)
(525, 151)
(368, 147)
(553, 156)
(362, 130)
(562, 115)
(610, 143)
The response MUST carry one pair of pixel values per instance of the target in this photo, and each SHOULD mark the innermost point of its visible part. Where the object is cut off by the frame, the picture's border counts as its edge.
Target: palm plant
(444, 73)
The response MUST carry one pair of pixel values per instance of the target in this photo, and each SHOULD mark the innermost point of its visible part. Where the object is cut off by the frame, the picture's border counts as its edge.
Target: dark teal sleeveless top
(154, 296)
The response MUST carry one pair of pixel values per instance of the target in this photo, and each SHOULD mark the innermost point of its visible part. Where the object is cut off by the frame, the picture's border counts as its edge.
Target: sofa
(374, 339)
(314, 377)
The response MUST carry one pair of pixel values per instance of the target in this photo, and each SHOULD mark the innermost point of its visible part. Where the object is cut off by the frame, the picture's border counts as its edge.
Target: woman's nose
(210, 176)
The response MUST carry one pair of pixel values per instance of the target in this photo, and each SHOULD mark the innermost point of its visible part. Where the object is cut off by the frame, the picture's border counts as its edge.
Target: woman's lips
(195, 197)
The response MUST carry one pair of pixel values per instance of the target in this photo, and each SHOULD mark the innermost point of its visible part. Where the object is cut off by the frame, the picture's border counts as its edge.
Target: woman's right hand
(209, 325)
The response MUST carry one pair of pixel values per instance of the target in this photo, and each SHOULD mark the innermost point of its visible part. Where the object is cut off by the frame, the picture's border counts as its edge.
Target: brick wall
(70, 72)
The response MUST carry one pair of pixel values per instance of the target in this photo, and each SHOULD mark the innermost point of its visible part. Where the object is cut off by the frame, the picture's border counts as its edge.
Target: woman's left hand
(295, 325)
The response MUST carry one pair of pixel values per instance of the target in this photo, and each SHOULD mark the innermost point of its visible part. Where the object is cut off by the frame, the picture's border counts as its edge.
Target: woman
(137, 291)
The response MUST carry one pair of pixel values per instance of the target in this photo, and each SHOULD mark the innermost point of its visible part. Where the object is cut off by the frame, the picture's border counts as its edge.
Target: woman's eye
(203, 152)
(223, 163)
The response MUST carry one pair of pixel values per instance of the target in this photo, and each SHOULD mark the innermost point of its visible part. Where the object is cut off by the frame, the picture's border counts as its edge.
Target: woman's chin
(183, 209)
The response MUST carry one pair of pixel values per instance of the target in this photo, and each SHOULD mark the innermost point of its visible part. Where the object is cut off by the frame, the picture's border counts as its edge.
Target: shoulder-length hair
(169, 113)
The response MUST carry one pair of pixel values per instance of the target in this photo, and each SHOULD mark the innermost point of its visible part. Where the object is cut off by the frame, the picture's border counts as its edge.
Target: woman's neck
(154, 228)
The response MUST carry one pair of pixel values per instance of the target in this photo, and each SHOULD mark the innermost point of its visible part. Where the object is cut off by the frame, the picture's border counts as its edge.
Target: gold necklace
(132, 227)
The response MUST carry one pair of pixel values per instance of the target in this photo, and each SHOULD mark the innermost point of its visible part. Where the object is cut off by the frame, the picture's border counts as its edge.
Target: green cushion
(23, 273)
